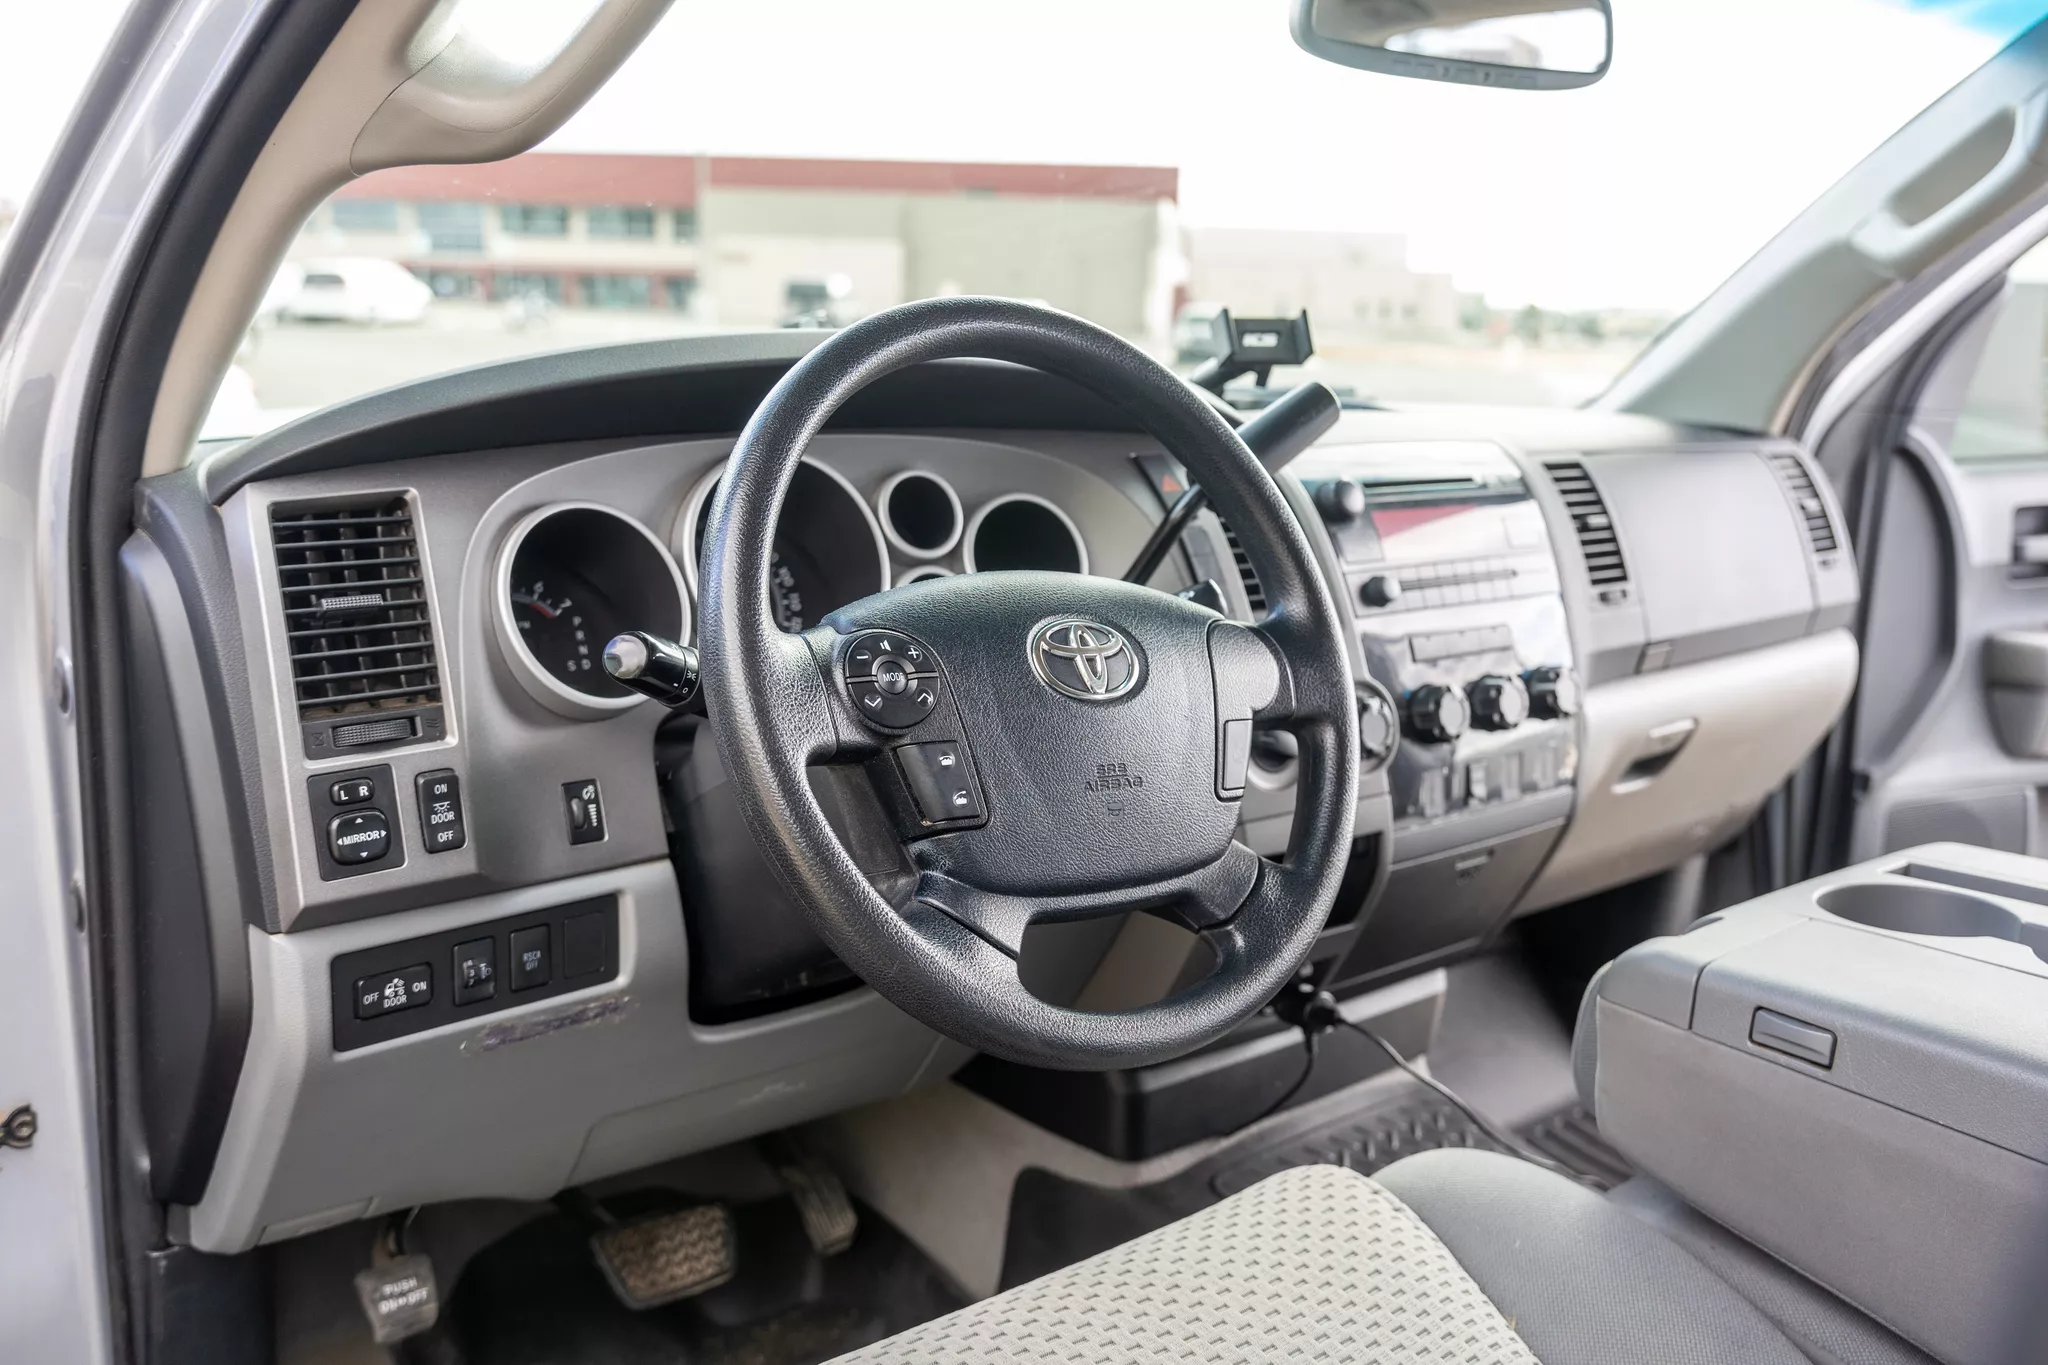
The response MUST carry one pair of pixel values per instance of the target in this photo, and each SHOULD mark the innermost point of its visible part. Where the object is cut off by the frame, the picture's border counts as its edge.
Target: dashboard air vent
(355, 610)
(1806, 501)
(1254, 591)
(1594, 527)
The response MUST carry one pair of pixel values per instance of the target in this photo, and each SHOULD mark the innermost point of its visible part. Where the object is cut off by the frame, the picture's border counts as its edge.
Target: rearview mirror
(1514, 44)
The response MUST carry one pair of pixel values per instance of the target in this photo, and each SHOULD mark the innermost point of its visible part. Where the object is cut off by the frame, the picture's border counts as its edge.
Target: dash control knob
(1553, 693)
(1499, 702)
(1381, 590)
(1437, 714)
(1379, 727)
(1340, 500)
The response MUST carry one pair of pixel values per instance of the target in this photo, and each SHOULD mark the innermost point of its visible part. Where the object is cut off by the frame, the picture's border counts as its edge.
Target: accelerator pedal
(821, 1201)
(666, 1256)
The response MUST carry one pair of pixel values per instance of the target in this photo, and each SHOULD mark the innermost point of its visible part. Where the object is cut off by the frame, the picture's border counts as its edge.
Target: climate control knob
(1340, 500)
(1499, 702)
(1437, 714)
(1553, 693)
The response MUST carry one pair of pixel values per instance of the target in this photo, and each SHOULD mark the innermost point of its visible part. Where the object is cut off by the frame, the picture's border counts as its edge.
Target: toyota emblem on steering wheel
(1084, 660)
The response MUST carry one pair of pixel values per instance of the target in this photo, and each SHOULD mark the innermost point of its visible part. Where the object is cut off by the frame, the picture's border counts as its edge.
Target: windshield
(1143, 163)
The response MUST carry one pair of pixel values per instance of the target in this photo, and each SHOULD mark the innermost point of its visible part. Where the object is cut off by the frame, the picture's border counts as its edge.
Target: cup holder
(1933, 911)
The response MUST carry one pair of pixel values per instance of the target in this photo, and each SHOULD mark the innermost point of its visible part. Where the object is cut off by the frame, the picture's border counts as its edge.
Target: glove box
(1853, 1074)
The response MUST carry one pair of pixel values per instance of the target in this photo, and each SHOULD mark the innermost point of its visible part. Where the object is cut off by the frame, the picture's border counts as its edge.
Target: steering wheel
(1048, 747)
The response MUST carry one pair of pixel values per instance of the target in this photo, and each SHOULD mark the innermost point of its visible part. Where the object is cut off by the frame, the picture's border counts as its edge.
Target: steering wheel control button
(531, 966)
(361, 836)
(440, 802)
(475, 971)
(351, 791)
(939, 781)
(389, 992)
(583, 804)
(1233, 757)
(1085, 660)
(892, 676)
(892, 680)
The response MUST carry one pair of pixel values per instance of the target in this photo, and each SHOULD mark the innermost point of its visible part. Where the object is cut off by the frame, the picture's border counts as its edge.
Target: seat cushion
(1314, 1264)
(1583, 1282)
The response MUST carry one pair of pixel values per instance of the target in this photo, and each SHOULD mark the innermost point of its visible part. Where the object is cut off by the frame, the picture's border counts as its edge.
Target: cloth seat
(1447, 1258)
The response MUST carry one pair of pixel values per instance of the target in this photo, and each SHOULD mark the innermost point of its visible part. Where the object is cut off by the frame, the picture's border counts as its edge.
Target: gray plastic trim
(529, 1099)
(1895, 1148)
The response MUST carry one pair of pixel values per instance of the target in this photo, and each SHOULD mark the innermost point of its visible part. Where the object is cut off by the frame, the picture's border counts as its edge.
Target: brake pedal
(821, 1200)
(669, 1256)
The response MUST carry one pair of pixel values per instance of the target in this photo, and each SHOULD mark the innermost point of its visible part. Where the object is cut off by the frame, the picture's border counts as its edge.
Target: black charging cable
(1315, 1013)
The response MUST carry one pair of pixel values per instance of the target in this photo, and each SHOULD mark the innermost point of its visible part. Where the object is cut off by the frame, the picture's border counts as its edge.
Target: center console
(1853, 1074)
(1453, 583)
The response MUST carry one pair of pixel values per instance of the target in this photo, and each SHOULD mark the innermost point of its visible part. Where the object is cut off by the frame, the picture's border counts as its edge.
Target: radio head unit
(1453, 583)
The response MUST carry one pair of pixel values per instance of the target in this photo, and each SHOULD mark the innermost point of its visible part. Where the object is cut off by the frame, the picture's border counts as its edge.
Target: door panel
(1954, 568)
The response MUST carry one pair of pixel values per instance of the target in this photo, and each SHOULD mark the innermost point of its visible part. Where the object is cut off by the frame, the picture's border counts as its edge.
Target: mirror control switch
(361, 836)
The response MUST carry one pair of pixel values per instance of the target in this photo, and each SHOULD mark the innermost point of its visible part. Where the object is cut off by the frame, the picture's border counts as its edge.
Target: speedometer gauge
(570, 577)
(786, 595)
(828, 548)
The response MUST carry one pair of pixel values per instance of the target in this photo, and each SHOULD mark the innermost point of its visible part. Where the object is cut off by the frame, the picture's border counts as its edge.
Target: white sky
(1720, 120)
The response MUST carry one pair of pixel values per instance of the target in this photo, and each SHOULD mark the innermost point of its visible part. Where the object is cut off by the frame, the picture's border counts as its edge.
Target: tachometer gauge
(571, 577)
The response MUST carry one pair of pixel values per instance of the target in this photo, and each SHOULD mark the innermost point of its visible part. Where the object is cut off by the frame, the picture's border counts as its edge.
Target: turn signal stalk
(653, 667)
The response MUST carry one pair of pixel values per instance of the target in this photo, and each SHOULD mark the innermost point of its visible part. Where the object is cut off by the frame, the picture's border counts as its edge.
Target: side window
(2004, 410)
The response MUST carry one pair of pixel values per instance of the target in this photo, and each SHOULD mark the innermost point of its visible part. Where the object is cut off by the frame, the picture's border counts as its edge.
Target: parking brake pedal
(664, 1257)
(821, 1201)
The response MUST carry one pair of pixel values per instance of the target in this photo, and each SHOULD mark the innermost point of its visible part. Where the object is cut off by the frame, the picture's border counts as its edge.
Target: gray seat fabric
(1583, 1282)
(1314, 1264)
(1828, 1329)
(1449, 1258)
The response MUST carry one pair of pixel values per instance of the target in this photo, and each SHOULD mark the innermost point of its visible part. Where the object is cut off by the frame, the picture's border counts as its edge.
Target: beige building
(1352, 284)
(757, 242)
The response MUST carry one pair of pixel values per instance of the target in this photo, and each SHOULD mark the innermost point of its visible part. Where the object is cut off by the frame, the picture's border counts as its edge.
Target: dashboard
(415, 843)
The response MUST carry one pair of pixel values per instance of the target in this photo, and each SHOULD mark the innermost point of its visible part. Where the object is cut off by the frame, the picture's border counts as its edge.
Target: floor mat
(1055, 1221)
(536, 1298)
(1571, 1138)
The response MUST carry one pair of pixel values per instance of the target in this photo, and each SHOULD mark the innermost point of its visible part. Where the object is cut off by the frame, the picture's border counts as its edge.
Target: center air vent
(356, 624)
(1594, 527)
(1806, 501)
